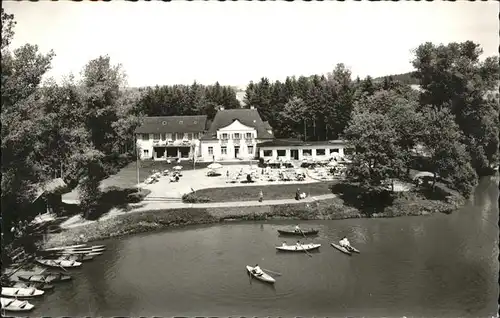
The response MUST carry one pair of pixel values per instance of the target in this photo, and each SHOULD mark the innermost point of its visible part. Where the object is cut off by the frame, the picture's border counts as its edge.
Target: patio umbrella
(332, 163)
(214, 166)
(178, 168)
(423, 174)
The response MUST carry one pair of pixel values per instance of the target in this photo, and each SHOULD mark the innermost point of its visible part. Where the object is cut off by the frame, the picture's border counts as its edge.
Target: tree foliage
(453, 77)
(179, 100)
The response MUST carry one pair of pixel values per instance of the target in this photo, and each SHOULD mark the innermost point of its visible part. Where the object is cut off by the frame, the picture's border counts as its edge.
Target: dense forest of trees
(82, 130)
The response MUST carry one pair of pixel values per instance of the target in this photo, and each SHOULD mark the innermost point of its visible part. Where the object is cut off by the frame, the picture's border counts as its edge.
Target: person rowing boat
(257, 271)
(344, 242)
(297, 229)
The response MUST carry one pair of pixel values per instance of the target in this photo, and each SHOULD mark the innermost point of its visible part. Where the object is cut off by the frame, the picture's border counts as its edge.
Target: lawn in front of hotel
(270, 191)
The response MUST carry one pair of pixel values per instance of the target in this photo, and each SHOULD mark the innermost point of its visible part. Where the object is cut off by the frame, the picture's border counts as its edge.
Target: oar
(303, 234)
(270, 271)
(308, 254)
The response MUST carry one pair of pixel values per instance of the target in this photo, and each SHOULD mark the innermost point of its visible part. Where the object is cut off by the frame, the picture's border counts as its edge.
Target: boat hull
(295, 248)
(302, 233)
(264, 277)
(21, 292)
(10, 304)
(50, 278)
(340, 248)
(59, 263)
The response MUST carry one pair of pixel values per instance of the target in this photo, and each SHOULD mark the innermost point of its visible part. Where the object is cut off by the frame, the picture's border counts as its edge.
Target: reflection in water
(439, 266)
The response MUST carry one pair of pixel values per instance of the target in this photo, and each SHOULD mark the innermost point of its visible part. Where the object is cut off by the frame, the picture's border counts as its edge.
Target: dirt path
(77, 220)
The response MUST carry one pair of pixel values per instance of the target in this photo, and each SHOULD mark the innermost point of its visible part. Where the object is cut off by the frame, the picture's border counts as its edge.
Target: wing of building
(160, 138)
(234, 134)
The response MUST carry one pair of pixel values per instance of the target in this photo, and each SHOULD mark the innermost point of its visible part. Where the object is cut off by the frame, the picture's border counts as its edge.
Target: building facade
(301, 150)
(234, 135)
(170, 137)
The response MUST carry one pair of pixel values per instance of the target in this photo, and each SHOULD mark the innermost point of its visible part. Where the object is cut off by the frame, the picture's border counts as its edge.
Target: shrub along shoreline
(341, 207)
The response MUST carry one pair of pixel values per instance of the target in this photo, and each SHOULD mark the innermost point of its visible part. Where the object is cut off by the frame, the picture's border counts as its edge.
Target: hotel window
(250, 150)
(180, 136)
(307, 152)
(190, 136)
(320, 152)
(156, 136)
(268, 153)
(196, 136)
(236, 136)
(145, 137)
(224, 136)
(145, 152)
(223, 150)
(173, 136)
(248, 135)
(211, 151)
(281, 153)
(163, 136)
(334, 150)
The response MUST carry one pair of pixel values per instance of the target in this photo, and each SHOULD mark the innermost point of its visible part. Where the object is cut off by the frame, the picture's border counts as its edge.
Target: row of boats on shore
(36, 285)
(260, 274)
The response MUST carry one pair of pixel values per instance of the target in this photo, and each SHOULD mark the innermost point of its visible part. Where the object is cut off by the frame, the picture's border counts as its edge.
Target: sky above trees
(234, 43)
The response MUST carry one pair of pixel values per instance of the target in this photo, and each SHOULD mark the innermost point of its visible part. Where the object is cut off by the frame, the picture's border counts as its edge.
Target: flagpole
(137, 162)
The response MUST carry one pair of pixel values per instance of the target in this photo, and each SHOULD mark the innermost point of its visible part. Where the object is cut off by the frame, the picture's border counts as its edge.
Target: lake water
(437, 266)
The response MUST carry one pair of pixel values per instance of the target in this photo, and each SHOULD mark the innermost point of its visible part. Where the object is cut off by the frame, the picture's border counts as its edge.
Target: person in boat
(256, 270)
(284, 244)
(297, 194)
(344, 242)
(297, 229)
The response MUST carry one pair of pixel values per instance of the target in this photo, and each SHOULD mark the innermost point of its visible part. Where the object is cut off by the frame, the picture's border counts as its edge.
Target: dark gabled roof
(267, 125)
(296, 142)
(248, 117)
(172, 124)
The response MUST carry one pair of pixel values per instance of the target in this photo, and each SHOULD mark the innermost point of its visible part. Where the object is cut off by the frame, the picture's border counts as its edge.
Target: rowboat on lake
(44, 278)
(298, 248)
(346, 250)
(262, 276)
(298, 232)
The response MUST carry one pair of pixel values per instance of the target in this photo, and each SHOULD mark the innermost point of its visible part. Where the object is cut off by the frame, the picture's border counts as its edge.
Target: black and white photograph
(250, 159)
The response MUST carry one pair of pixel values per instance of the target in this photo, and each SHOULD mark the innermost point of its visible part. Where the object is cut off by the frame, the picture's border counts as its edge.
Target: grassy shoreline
(328, 209)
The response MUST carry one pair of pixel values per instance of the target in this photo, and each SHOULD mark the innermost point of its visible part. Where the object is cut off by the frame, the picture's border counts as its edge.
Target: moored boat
(44, 278)
(58, 248)
(59, 263)
(10, 304)
(76, 257)
(298, 248)
(301, 232)
(41, 286)
(262, 277)
(21, 292)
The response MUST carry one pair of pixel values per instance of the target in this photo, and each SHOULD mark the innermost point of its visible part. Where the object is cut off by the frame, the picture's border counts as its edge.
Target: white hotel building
(234, 134)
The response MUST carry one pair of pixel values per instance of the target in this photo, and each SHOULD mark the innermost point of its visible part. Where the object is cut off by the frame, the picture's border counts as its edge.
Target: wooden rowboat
(300, 233)
(10, 304)
(263, 277)
(345, 250)
(21, 292)
(41, 286)
(44, 278)
(298, 248)
(59, 263)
